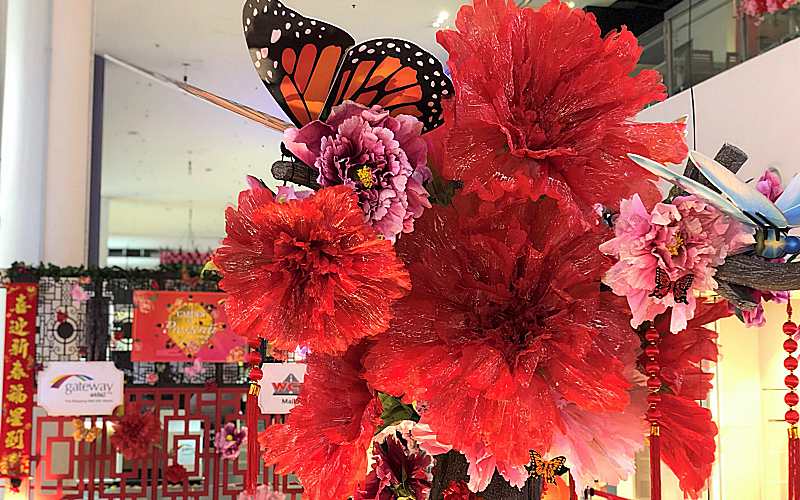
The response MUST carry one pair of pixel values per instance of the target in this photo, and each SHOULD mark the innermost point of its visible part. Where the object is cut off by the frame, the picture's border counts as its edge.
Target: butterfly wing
(746, 197)
(398, 75)
(691, 186)
(680, 289)
(296, 57)
(663, 284)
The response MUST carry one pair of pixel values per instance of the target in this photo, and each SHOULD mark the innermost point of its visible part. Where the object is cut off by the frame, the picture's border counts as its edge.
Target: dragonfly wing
(790, 196)
(691, 186)
(744, 196)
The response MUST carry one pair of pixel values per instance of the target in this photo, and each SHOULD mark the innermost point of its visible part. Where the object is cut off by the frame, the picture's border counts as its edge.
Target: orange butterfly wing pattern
(296, 57)
(398, 75)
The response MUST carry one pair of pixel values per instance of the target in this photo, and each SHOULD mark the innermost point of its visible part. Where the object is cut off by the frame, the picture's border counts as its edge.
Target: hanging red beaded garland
(653, 370)
(791, 399)
(253, 413)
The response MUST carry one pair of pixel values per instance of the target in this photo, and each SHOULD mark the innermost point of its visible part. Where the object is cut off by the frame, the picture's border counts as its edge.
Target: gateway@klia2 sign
(68, 388)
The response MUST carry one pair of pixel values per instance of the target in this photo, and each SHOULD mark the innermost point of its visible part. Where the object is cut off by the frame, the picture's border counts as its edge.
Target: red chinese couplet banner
(183, 326)
(19, 359)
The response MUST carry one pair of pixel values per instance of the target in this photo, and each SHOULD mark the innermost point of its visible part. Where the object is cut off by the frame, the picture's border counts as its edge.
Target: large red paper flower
(326, 436)
(307, 271)
(540, 94)
(505, 323)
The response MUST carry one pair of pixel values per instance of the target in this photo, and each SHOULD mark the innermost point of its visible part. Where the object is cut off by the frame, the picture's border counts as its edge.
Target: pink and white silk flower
(688, 236)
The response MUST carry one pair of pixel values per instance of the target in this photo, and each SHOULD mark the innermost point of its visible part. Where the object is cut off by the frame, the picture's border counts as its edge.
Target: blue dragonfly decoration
(743, 202)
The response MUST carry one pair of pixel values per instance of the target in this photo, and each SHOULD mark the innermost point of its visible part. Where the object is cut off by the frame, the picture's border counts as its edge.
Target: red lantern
(791, 399)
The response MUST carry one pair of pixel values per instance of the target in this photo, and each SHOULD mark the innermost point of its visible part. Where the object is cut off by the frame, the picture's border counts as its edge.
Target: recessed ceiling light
(440, 19)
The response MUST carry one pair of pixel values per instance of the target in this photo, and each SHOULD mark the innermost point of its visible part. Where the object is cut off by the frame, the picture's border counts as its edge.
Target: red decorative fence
(66, 469)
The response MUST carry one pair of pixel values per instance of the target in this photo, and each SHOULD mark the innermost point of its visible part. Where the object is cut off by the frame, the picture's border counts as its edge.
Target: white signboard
(80, 388)
(280, 387)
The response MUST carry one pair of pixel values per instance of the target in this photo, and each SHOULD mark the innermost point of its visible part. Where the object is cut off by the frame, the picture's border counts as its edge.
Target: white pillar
(69, 133)
(23, 147)
(44, 152)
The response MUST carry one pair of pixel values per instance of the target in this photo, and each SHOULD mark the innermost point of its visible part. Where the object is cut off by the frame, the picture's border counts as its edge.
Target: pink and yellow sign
(183, 326)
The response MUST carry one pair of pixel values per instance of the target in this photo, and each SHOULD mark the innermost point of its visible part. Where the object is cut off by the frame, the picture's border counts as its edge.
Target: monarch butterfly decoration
(679, 288)
(548, 470)
(310, 66)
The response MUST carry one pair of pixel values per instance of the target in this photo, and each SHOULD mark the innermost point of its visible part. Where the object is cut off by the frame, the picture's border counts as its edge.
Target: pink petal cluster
(688, 236)
(263, 492)
(757, 8)
(383, 158)
(607, 456)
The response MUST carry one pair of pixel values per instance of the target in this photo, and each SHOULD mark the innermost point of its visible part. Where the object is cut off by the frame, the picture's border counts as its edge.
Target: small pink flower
(688, 236)
(263, 492)
(151, 378)
(382, 157)
(770, 184)
(228, 441)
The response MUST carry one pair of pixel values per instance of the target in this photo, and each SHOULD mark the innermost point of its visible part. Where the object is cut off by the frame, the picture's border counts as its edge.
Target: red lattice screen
(65, 469)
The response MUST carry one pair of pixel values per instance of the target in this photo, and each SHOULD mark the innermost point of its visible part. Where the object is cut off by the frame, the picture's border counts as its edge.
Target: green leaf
(395, 411)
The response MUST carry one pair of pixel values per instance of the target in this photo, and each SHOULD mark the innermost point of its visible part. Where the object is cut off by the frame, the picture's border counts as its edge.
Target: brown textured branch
(296, 173)
(758, 273)
(739, 296)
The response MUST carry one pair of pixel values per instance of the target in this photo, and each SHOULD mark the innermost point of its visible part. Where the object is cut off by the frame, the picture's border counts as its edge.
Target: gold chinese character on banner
(20, 347)
(17, 371)
(18, 327)
(22, 306)
(16, 394)
(15, 439)
(16, 416)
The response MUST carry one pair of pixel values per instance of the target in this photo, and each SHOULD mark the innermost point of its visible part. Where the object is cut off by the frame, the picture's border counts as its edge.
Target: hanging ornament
(653, 371)
(253, 414)
(791, 399)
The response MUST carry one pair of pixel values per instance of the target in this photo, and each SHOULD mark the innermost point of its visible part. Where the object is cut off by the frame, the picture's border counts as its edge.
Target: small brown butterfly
(547, 469)
(679, 288)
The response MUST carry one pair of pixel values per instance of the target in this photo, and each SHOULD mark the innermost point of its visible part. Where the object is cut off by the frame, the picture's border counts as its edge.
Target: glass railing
(701, 38)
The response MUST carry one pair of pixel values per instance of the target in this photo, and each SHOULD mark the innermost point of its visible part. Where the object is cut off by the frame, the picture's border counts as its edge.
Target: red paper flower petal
(687, 442)
(505, 319)
(530, 105)
(326, 436)
(307, 272)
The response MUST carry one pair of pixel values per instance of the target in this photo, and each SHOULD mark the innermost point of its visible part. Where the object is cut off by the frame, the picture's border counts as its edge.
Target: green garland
(21, 272)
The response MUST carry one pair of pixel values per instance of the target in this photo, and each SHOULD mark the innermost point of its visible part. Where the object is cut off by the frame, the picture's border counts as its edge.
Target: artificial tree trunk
(452, 466)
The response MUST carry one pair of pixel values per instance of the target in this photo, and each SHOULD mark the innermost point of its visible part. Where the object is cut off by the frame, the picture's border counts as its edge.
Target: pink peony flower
(228, 441)
(686, 237)
(383, 158)
(770, 184)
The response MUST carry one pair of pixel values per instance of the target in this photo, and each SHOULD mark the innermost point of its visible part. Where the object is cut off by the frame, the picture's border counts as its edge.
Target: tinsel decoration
(253, 412)
(653, 370)
(791, 399)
